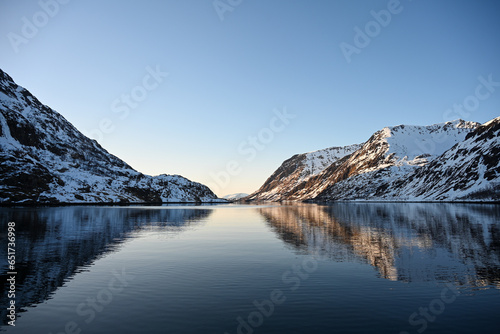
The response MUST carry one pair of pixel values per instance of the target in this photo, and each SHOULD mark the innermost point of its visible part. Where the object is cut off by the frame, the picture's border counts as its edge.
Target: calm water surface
(343, 268)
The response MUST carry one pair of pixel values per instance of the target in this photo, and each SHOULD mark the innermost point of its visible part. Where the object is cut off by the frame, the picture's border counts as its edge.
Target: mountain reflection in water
(217, 259)
(408, 242)
(55, 243)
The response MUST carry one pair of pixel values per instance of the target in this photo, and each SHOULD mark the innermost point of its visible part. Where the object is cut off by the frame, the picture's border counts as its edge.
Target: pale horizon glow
(169, 87)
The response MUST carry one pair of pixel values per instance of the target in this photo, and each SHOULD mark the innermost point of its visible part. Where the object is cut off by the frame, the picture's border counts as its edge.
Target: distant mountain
(449, 161)
(289, 179)
(235, 197)
(44, 159)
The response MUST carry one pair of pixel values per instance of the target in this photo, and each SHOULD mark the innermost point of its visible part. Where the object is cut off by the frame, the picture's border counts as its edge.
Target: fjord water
(342, 268)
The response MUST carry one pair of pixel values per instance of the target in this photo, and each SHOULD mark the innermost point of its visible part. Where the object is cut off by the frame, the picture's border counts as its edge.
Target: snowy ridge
(415, 145)
(410, 144)
(45, 159)
(469, 171)
(391, 153)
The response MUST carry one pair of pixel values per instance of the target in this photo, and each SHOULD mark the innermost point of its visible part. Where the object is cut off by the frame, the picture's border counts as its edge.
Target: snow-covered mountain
(290, 177)
(389, 154)
(235, 197)
(380, 166)
(470, 170)
(45, 159)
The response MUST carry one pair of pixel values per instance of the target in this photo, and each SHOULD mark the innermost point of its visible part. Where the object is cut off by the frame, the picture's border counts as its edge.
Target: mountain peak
(69, 167)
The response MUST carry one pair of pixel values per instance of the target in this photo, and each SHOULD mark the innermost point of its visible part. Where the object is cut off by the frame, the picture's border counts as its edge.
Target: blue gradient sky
(227, 77)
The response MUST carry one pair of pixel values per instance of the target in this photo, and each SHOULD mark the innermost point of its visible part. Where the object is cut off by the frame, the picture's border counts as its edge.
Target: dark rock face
(44, 159)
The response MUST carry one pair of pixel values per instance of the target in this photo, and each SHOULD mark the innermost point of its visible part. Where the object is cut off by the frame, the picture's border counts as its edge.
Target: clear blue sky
(227, 77)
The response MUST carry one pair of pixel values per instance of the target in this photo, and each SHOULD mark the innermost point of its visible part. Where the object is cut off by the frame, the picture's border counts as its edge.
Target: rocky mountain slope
(290, 177)
(45, 159)
(389, 154)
